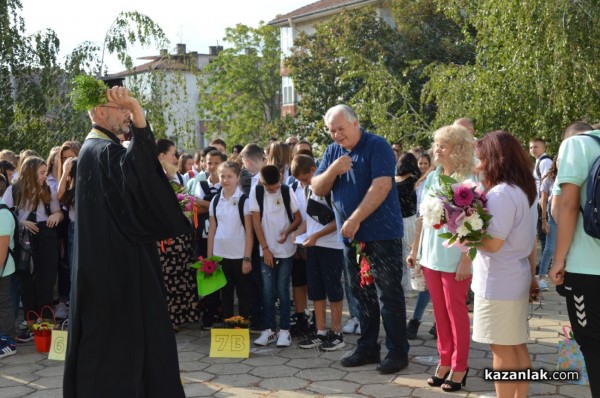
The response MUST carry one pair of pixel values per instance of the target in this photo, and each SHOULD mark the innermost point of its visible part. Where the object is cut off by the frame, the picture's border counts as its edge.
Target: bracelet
(265, 248)
(248, 259)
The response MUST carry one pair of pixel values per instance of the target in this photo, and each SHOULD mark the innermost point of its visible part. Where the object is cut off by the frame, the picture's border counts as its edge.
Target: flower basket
(42, 330)
(237, 322)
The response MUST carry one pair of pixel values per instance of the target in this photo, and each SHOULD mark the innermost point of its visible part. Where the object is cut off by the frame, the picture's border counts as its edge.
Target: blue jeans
(384, 298)
(548, 252)
(276, 283)
(423, 299)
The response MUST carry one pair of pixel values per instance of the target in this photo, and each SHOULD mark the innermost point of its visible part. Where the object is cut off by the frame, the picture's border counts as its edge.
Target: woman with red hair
(503, 273)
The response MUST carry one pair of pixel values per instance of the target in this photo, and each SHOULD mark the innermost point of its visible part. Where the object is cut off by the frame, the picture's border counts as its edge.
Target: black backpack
(591, 219)
(16, 252)
(538, 173)
(285, 195)
(209, 193)
(240, 209)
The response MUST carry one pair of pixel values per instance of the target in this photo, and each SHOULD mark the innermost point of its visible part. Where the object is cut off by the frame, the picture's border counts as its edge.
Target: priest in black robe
(121, 343)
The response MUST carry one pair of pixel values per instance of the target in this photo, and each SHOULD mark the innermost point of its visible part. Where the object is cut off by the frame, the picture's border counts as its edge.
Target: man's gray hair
(348, 112)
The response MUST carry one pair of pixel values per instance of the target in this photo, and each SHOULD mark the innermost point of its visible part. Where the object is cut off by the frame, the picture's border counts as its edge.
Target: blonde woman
(447, 270)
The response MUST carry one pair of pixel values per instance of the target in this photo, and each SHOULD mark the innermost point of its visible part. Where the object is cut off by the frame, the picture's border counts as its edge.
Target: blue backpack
(591, 218)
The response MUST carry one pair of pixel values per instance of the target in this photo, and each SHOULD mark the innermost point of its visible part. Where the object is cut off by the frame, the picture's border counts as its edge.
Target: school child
(325, 261)
(275, 215)
(230, 236)
(253, 159)
(204, 191)
(8, 223)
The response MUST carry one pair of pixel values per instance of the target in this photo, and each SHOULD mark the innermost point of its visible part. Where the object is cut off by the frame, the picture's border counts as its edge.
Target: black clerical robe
(121, 343)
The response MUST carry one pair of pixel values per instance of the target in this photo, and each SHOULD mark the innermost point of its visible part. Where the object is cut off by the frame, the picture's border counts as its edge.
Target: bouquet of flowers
(237, 322)
(187, 202)
(364, 262)
(209, 276)
(461, 208)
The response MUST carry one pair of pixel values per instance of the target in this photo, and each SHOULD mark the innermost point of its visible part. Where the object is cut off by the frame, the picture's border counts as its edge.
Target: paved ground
(293, 372)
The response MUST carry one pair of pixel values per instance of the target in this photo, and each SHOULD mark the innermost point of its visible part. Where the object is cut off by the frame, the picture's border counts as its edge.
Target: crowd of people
(104, 227)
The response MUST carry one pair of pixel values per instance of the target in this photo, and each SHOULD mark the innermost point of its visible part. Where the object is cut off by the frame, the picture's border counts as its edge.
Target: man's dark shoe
(390, 365)
(412, 328)
(359, 359)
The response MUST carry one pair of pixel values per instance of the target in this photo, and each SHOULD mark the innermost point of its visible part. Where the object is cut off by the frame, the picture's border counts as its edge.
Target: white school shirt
(230, 235)
(41, 210)
(332, 240)
(199, 192)
(275, 221)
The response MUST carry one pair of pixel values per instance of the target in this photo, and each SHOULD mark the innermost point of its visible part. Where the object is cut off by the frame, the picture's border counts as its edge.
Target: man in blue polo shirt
(359, 169)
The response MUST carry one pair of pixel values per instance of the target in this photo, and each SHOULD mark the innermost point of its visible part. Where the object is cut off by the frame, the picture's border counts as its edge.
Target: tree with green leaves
(537, 67)
(35, 110)
(375, 66)
(239, 89)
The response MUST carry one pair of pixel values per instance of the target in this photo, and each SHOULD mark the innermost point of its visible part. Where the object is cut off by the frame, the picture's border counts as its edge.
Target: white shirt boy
(275, 220)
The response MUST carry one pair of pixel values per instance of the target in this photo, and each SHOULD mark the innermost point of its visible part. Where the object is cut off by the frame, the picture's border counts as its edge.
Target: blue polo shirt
(372, 157)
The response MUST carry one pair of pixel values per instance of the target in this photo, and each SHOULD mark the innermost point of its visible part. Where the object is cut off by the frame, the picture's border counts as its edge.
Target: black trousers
(236, 282)
(37, 288)
(583, 305)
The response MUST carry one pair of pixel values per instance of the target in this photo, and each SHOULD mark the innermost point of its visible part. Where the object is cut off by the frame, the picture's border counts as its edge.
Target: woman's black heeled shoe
(455, 385)
(435, 381)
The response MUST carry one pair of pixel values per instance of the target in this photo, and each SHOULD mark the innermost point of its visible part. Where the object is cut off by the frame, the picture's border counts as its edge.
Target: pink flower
(188, 206)
(208, 267)
(180, 197)
(463, 196)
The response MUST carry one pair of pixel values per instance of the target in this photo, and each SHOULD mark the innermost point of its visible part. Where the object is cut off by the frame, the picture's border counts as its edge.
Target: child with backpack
(275, 215)
(204, 191)
(230, 236)
(325, 261)
(8, 228)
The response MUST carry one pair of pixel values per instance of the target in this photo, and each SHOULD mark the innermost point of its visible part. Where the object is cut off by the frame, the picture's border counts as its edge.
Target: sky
(197, 23)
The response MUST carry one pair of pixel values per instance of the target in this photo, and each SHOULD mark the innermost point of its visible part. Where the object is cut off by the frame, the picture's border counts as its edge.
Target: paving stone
(423, 350)
(196, 377)
(385, 390)
(54, 393)
(228, 392)
(21, 370)
(575, 391)
(413, 380)
(44, 383)
(244, 380)
(274, 371)
(372, 376)
(200, 390)
(310, 363)
(437, 393)
(291, 394)
(192, 366)
(266, 360)
(228, 369)
(186, 356)
(15, 392)
(7, 380)
(294, 353)
(283, 383)
(542, 349)
(327, 387)
(537, 388)
(51, 371)
(321, 374)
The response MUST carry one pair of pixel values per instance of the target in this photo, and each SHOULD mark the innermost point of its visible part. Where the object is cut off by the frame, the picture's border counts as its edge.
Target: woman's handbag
(571, 358)
(417, 278)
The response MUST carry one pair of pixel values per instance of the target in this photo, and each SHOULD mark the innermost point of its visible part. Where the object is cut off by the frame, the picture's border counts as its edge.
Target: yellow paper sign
(58, 345)
(229, 343)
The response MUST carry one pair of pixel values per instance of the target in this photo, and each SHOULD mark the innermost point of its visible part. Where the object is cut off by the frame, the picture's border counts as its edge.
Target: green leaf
(445, 235)
(88, 93)
(447, 180)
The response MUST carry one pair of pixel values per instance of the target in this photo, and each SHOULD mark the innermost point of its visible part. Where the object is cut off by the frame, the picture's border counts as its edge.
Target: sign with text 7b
(229, 343)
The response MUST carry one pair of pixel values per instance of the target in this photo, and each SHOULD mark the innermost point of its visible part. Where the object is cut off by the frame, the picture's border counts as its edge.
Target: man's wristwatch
(249, 259)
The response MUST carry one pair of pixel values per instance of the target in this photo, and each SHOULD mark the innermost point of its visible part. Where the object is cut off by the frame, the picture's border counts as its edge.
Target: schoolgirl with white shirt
(230, 239)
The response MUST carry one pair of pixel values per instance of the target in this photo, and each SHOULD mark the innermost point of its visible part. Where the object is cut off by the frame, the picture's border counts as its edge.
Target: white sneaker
(357, 330)
(351, 325)
(61, 311)
(284, 339)
(543, 285)
(266, 337)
